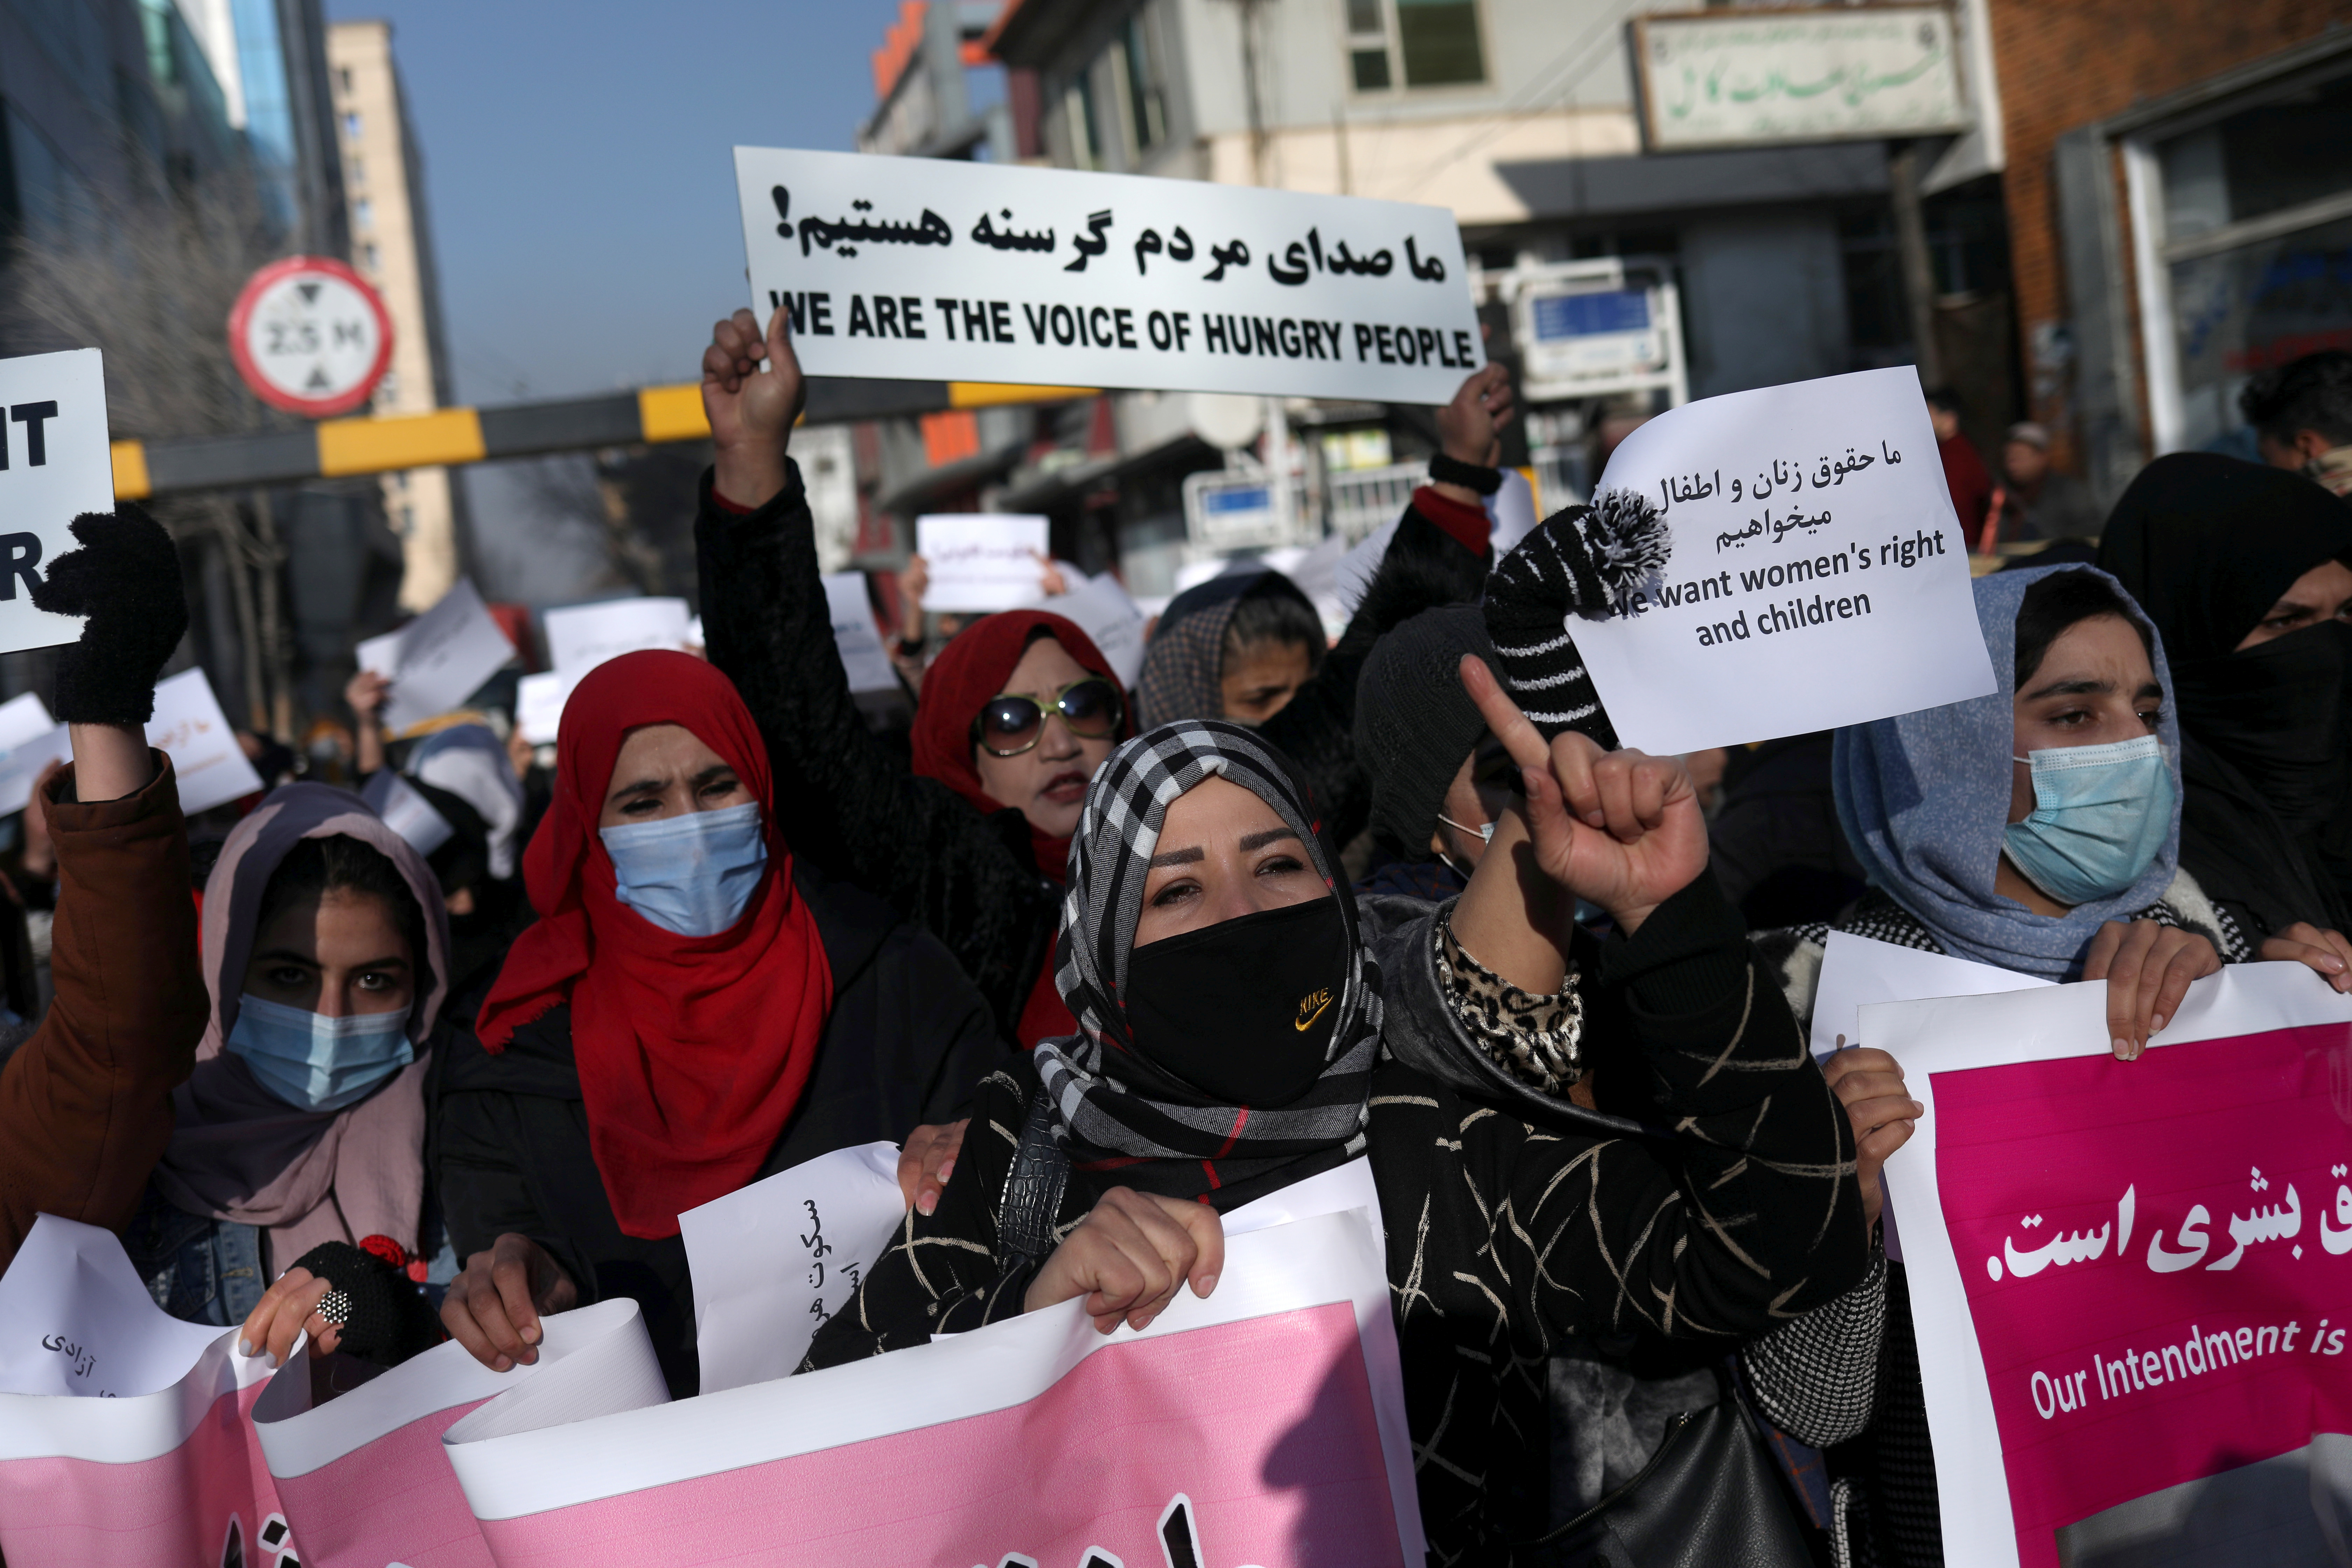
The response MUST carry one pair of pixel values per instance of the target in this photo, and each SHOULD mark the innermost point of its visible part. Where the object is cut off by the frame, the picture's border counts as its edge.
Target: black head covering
(2207, 544)
(1184, 665)
(1414, 724)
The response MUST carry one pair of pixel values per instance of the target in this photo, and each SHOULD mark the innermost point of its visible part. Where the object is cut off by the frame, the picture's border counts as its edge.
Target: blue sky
(576, 163)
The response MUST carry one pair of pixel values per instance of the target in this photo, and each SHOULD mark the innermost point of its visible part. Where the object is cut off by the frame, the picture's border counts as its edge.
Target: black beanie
(1414, 724)
(1585, 561)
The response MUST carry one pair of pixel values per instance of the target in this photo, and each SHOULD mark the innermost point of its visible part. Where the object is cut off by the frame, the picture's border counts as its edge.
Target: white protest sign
(1857, 973)
(770, 1262)
(1100, 608)
(55, 463)
(29, 740)
(189, 728)
(438, 659)
(1818, 576)
(538, 707)
(862, 656)
(917, 269)
(406, 812)
(584, 636)
(982, 561)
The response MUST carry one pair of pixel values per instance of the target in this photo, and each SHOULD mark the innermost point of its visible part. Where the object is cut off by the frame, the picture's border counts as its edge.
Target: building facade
(2181, 214)
(391, 246)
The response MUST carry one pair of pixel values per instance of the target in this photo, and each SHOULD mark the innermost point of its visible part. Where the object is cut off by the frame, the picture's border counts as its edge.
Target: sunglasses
(1011, 724)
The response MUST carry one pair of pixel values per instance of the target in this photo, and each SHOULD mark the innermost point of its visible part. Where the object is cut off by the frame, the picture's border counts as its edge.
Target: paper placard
(190, 728)
(406, 812)
(29, 740)
(584, 636)
(1261, 1405)
(1817, 578)
(123, 1437)
(983, 561)
(2120, 1271)
(1858, 972)
(538, 707)
(770, 1262)
(925, 269)
(438, 659)
(1101, 608)
(863, 658)
(55, 463)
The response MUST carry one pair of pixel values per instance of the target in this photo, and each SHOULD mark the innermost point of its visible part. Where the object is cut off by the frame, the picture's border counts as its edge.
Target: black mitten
(382, 1312)
(1588, 561)
(126, 579)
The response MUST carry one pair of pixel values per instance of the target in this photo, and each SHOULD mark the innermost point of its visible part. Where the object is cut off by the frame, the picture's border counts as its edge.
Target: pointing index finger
(1510, 726)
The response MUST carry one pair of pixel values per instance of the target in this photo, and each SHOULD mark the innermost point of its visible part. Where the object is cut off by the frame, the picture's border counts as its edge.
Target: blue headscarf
(1924, 800)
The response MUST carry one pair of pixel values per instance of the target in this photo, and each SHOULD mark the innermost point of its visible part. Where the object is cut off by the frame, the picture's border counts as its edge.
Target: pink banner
(2153, 1256)
(208, 1502)
(1263, 1427)
(390, 1499)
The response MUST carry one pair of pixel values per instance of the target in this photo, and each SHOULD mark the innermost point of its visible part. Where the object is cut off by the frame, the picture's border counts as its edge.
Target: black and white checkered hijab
(1116, 1107)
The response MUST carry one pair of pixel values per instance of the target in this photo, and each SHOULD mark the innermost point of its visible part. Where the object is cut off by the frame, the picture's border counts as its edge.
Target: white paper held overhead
(29, 740)
(863, 658)
(929, 270)
(538, 707)
(438, 659)
(190, 728)
(55, 463)
(1102, 610)
(981, 562)
(582, 636)
(1818, 575)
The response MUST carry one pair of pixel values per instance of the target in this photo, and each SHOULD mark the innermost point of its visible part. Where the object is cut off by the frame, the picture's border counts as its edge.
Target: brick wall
(2063, 63)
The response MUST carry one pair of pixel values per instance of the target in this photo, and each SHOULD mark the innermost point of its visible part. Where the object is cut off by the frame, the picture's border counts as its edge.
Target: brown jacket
(86, 1102)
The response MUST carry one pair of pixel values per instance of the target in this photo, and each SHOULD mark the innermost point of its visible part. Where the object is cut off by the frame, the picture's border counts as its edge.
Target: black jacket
(906, 1042)
(968, 876)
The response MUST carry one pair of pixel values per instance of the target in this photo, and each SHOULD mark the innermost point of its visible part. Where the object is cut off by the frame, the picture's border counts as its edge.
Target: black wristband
(1448, 471)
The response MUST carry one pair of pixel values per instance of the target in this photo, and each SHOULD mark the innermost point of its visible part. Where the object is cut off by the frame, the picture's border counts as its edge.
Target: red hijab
(969, 671)
(692, 1051)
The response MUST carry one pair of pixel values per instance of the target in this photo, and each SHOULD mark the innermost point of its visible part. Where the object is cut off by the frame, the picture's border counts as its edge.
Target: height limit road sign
(310, 336)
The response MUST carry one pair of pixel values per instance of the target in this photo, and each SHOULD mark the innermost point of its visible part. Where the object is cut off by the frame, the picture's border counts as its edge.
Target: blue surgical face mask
(692, 874)
(2099, 820)
(315, 1062)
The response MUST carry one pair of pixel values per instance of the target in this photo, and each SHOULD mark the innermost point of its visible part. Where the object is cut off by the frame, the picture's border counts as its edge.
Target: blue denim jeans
(198, 1268)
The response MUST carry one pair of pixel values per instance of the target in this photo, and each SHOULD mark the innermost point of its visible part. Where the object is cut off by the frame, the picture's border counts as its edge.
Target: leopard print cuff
(1536, 1039)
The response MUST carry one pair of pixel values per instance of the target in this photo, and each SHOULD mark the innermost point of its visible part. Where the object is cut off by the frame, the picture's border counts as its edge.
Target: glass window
(343, 80)
(1439, 40)
(352, 126)
(2283, 153)
(2248, 301)
(1146, 102)
(1086, 132)
(1371, 68)
(363, 213)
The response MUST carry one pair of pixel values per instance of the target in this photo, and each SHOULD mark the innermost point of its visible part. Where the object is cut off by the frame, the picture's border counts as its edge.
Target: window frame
(1390, 39)
(2154, 251)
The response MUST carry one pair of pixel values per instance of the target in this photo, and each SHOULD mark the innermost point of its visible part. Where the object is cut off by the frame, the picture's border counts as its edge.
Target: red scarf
(969, 671)
(692, 1051)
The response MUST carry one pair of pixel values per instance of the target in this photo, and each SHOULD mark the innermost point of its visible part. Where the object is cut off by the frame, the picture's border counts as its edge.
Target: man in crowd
(2036, 501)
(1964, 471)
(2302, 415)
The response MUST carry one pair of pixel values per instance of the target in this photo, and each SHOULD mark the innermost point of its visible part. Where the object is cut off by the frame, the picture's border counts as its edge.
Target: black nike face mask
(1243, 1010)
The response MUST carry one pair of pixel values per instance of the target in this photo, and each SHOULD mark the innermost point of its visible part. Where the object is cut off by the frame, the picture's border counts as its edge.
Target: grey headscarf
(1924, 800)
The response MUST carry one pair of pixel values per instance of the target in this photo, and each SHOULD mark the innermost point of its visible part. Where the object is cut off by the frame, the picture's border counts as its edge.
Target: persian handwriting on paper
(932, 229)
(74, 1354)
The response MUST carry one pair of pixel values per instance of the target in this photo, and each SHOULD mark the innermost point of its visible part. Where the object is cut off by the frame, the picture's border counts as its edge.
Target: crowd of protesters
(1057, 948)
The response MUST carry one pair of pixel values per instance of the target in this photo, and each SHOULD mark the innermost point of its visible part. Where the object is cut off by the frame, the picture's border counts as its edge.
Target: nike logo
(1321, 999)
